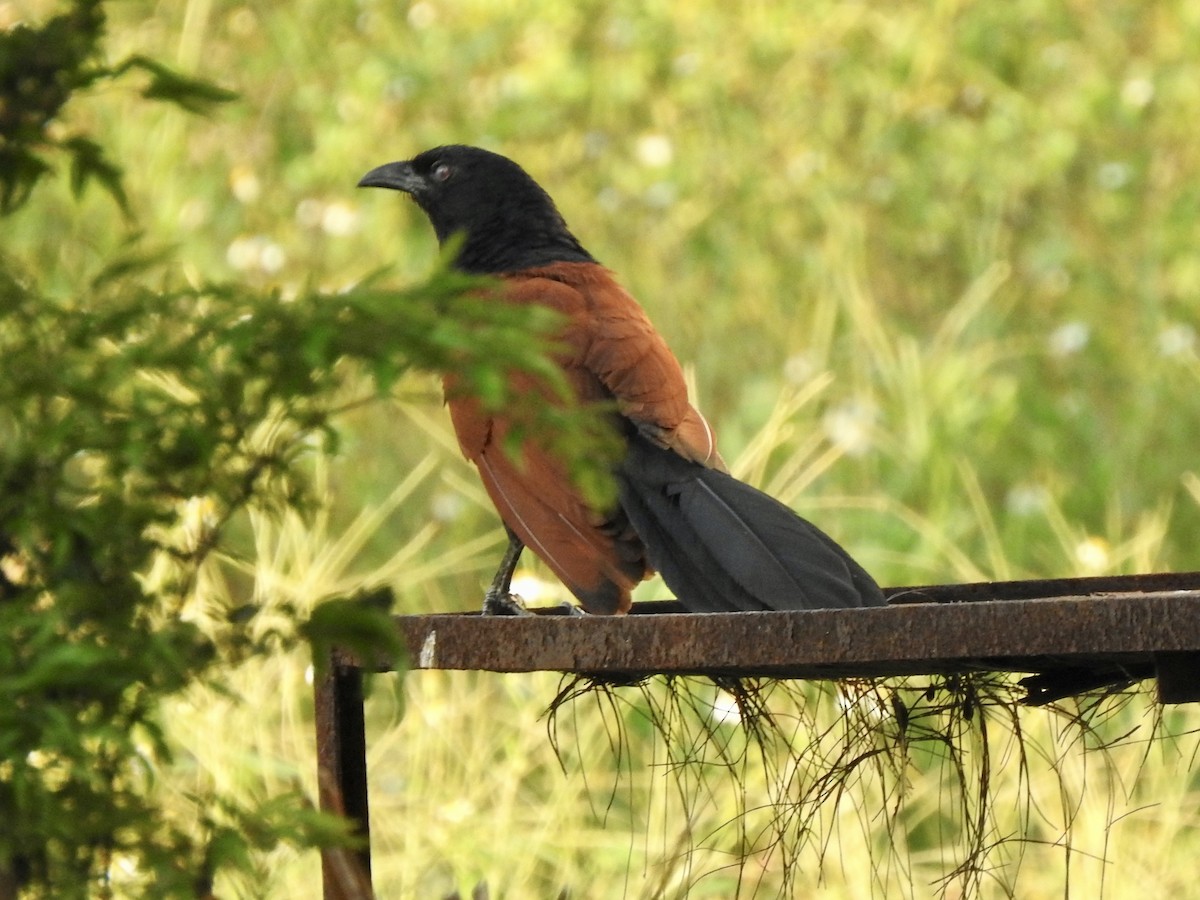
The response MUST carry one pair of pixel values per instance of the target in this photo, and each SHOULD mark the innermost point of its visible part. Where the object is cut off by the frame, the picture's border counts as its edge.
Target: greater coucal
(719, 544)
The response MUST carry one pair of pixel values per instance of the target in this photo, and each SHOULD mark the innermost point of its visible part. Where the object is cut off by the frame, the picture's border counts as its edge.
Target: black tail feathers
(723, 546)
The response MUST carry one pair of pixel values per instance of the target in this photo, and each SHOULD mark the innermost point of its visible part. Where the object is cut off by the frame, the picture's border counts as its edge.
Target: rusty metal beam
(1046, 588)
(1072, 634)
(1124, 631)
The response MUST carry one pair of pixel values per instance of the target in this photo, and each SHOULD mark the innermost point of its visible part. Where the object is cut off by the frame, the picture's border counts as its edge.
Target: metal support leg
(342, 776)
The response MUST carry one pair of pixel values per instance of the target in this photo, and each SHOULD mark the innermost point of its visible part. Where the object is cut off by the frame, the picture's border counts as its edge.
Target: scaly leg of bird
(499, 600)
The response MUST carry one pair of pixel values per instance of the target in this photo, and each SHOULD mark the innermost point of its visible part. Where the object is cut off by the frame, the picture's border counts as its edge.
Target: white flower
(725, 709)
(655, 150)
(244, 184)
(850, 426)
(339, 219)
(422, 15)
(1027, 499)
(1092, 554)
(1137, 92)
(1113, 175)
(256, 252)
(1069, 338)
(1177, 340)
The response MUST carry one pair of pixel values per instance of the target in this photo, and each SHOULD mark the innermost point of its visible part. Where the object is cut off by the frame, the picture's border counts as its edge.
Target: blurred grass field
(933, 268)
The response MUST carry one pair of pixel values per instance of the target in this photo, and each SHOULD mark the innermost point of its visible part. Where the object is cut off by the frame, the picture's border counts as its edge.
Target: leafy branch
(138, 426)
(41, 68)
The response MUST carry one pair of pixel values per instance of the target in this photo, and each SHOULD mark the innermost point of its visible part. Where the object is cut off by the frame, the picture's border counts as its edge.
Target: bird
(720, 544)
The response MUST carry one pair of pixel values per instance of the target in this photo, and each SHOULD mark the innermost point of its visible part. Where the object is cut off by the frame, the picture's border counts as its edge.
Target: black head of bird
(507, 222)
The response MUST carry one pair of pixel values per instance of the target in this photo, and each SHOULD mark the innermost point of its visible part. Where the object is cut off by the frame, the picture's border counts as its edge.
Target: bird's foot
(496, 603)
(570, 609)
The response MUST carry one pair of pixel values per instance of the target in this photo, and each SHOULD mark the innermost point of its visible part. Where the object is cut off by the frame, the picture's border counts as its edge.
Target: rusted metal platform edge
(1144, 625)
(1030, 636)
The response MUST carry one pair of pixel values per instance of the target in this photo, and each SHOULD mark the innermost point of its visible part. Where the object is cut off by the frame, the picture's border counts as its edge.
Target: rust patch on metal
(1121, 622)
(1070, 635)
(342, 774)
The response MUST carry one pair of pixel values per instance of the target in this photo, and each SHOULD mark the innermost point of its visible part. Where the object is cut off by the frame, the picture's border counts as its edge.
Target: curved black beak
(397, 176)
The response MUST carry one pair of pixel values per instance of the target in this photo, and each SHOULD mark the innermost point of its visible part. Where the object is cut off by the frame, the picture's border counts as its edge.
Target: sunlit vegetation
(933, 269)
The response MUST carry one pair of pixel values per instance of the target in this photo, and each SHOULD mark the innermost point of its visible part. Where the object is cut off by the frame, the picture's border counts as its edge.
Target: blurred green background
(934, 269)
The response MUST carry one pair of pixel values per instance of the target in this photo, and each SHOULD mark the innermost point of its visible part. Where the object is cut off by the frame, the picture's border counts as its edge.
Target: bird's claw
(504, 604)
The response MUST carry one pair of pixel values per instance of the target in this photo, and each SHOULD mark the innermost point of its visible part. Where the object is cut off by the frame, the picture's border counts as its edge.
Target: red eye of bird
(441, 172)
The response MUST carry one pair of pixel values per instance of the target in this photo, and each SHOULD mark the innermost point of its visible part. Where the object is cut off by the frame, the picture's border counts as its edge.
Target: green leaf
(196, 95)
(362, 625)
(88, 162)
